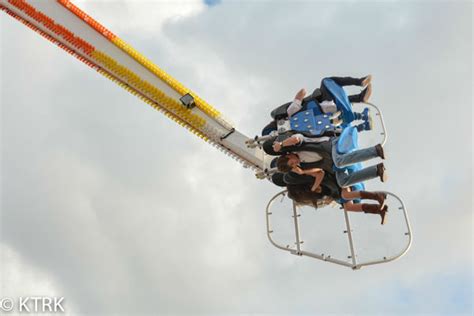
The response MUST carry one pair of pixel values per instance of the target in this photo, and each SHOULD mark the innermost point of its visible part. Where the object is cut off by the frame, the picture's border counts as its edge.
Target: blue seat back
(307, 121)
(340, 98)
(314, 106)
(348, 141)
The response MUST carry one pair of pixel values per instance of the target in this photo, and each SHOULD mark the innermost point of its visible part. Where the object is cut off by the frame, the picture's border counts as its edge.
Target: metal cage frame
(355, 265)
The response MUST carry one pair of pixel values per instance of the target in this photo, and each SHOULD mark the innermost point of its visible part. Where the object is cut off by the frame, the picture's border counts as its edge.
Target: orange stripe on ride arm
(49, 38)
(56, 28)
(88, 19)
(160, 73)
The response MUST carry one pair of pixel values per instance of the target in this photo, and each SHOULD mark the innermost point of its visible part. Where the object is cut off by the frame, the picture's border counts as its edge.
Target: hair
(267, 147)
(302, 195)
(282, 163)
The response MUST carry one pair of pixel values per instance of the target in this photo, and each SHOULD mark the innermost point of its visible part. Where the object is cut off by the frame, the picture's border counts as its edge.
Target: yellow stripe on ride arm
(153, 104)
(173, 83)
(147, 88)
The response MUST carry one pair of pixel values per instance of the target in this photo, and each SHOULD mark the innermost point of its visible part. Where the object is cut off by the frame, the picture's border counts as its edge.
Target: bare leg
(347, 194)
(380, 197)
(367, 208)
(352, 207)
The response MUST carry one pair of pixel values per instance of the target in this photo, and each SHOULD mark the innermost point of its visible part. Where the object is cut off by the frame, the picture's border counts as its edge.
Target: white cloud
(20, 278)
(148, 219)
(139, 17)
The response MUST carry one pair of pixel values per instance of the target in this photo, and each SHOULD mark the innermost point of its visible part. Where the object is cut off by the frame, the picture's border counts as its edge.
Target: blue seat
(341, 99)
(348, 142)
(314, 106)
(312, 120)
(307, 121)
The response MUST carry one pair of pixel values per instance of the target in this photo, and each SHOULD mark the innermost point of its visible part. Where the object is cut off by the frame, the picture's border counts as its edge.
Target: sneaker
(369, 124)
(364, 115)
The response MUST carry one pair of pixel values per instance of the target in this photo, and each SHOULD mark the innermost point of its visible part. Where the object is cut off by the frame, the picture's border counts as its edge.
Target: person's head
(302, 195)
(286, 162)
(278, 179)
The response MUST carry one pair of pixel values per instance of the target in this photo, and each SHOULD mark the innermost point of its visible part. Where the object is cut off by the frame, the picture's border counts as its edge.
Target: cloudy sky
(106, 202)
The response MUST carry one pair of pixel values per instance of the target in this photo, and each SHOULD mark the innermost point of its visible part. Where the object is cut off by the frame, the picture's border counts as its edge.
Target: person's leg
(376, 209)
(325, 94)
(347, 194)
(352, 207)
(348, 81)
(345, 180)
(380, 197)
(376, 196)
(363, 96)
(355, 98)
(272, 126)
(342, 160)
(368, 209)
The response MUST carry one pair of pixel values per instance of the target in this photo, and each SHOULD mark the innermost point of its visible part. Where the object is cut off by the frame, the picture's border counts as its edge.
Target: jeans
(343, 160)
(345, 179)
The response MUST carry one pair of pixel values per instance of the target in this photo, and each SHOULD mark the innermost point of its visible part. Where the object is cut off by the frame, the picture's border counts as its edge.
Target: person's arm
(296, 105)
(290, 141)
(318, 178)
(318, 175)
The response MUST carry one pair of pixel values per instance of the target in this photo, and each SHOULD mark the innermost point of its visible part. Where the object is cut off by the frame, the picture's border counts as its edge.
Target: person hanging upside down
(303, 195)
(324, 156)
(326, 101)
(363, 96)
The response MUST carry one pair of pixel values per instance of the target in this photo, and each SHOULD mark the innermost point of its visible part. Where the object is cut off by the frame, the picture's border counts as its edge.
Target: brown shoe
(366, 81)
(375, 209)
(381, 172)
(380, 151)
(383, 214)
(381, 197)
(371, 208)
(376, 196)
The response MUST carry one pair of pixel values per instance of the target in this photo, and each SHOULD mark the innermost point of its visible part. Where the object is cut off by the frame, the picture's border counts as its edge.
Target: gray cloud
(126, 213)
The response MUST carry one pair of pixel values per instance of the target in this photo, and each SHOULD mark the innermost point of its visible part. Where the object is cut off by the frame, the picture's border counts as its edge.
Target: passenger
(363, 96)
(302, 195)
(326, 100)
(325, 156)
(294, 107)
(327, 104)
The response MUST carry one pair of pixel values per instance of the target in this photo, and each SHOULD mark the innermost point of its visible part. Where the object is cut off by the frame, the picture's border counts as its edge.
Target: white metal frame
(298, 250)
(378, 113)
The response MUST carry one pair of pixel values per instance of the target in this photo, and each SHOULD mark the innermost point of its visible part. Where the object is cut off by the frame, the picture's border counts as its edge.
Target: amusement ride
(327, 114)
